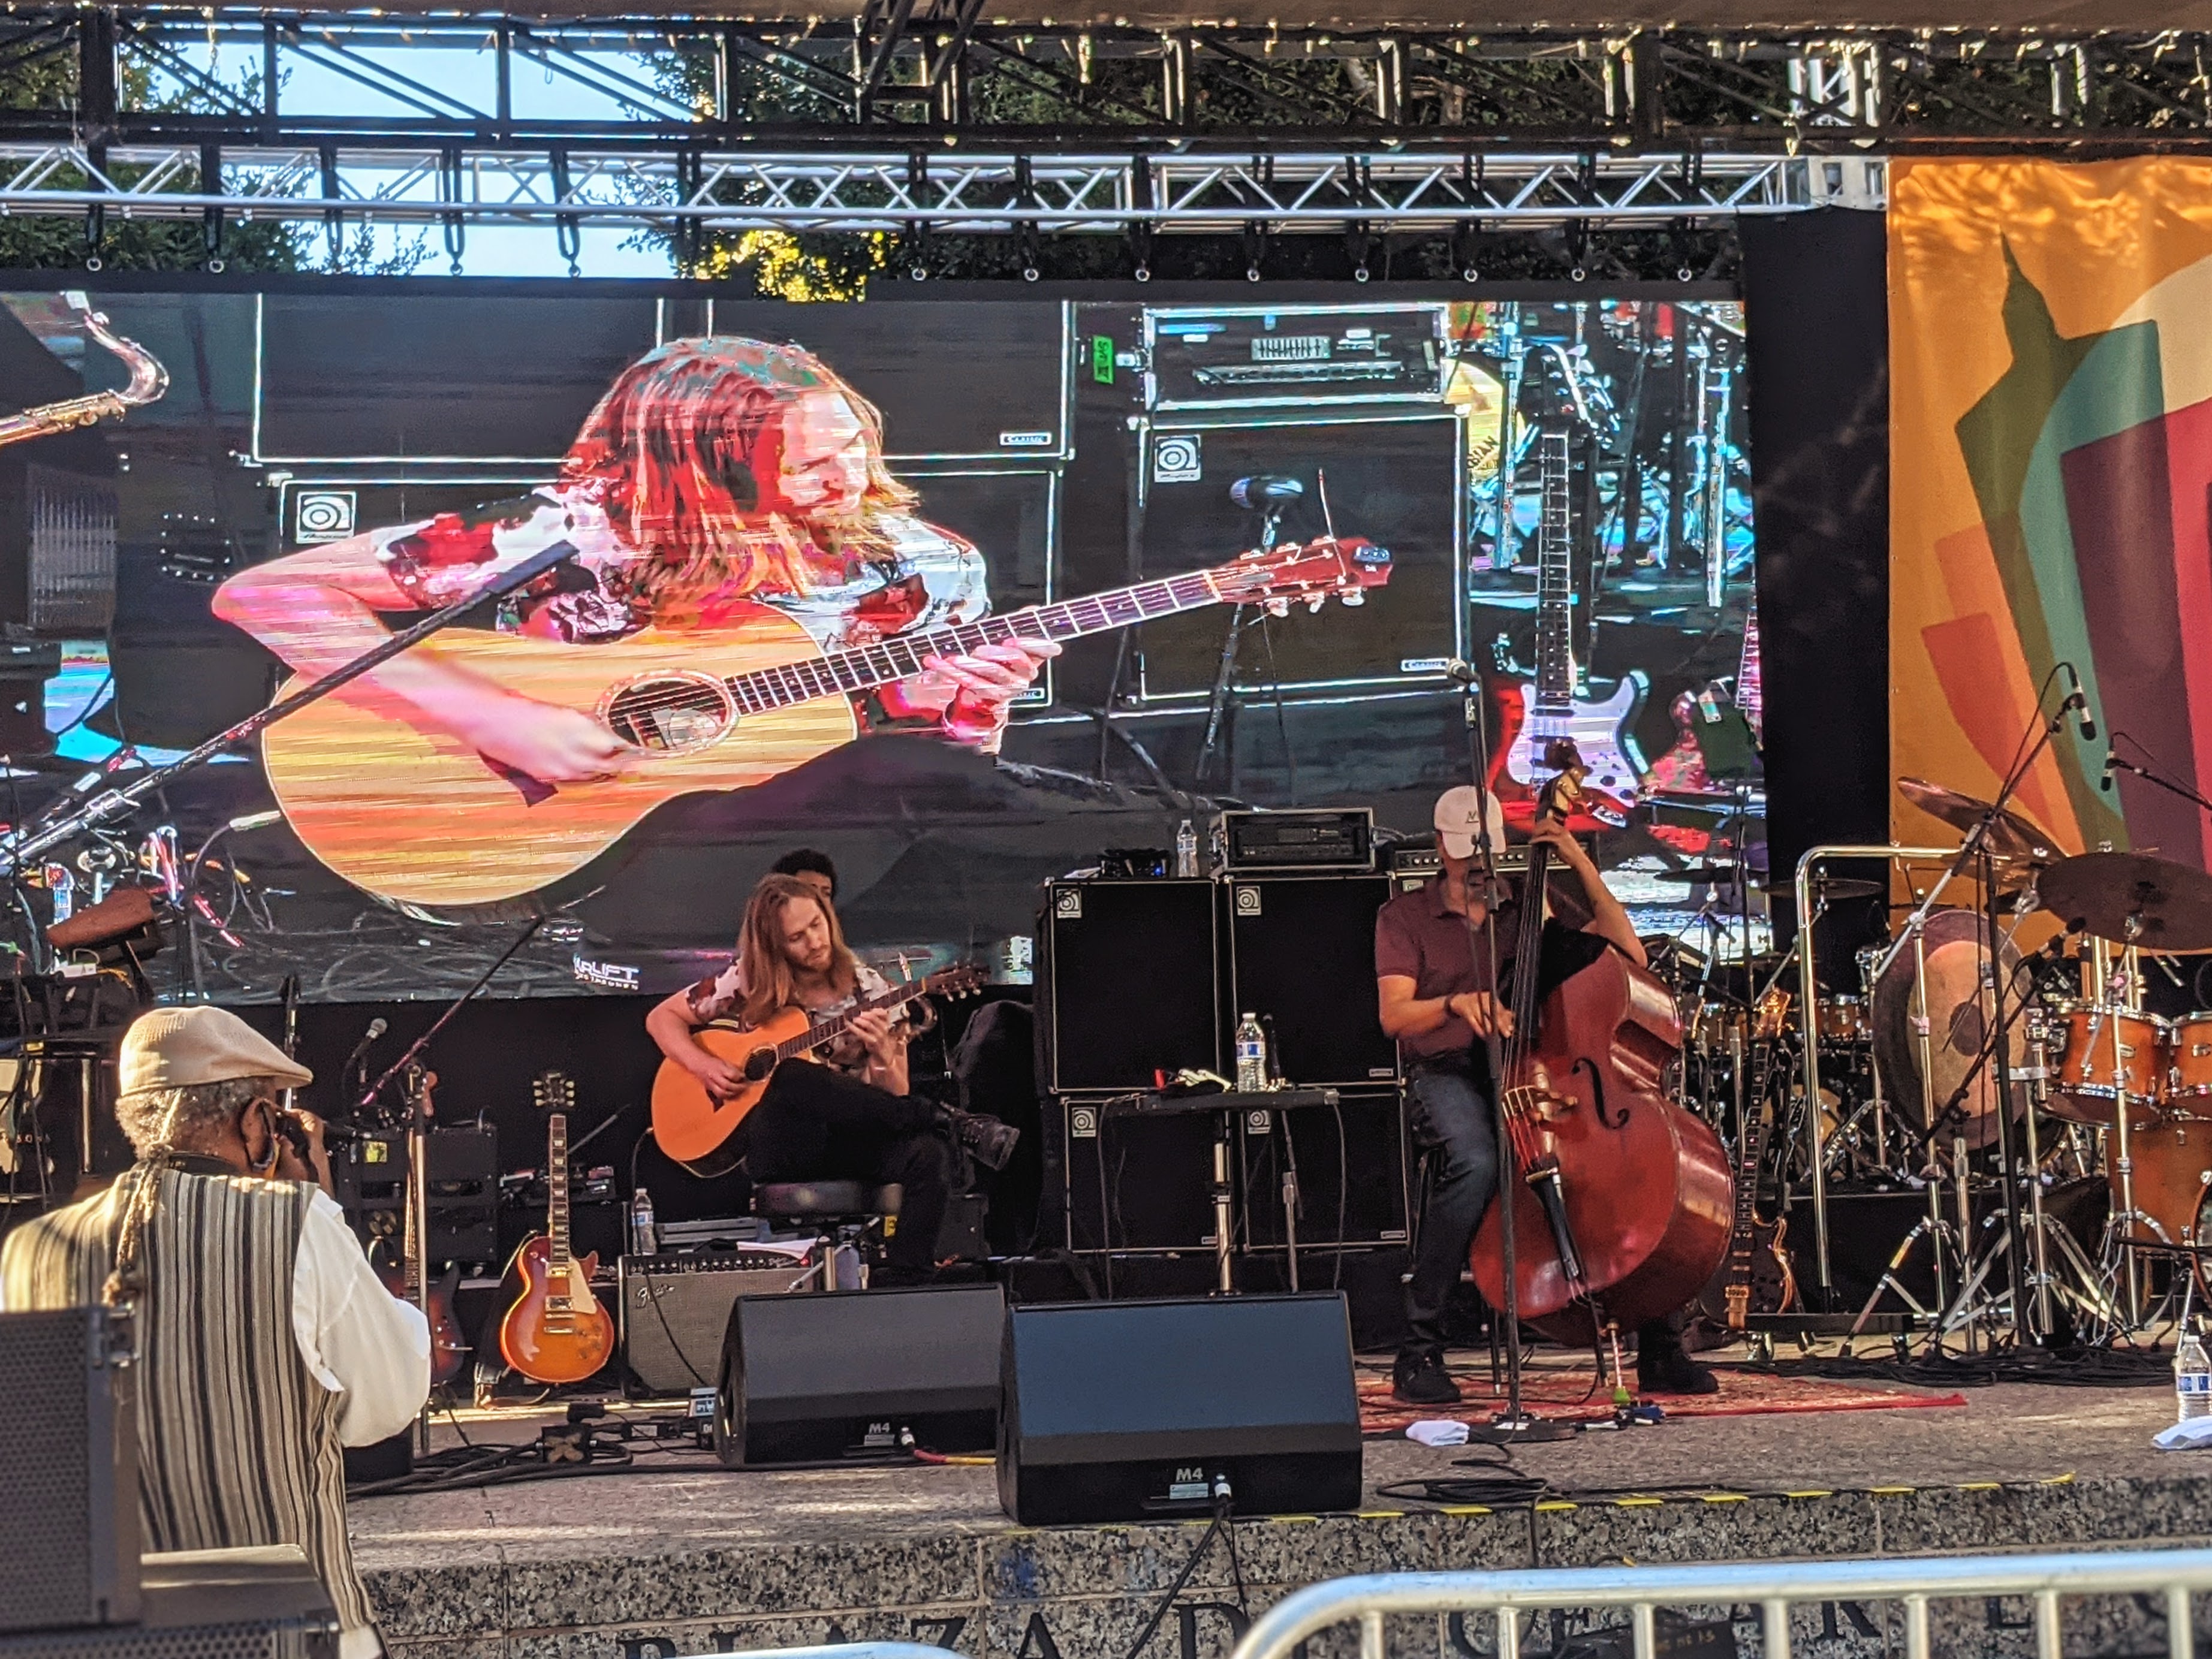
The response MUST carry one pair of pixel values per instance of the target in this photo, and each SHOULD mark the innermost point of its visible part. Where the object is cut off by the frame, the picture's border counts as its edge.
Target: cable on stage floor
(1501, 1486)
(2070, 1368)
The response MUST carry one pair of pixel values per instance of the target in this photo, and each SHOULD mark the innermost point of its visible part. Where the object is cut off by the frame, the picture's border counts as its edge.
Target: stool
(843, 1213)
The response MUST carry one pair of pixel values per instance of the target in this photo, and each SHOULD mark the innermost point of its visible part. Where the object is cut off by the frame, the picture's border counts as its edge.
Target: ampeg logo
(1082, 1122)
(1067, 904)
(323, 515)
(1247, 901)
(1261, 1122)
(1175, 459)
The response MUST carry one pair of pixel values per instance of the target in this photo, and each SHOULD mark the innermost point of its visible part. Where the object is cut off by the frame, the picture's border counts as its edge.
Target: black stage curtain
(1814, 287)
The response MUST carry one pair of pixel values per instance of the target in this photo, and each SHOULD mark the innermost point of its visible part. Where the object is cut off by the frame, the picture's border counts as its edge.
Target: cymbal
(2132, 898)
(1828, 887)
(2011, 837)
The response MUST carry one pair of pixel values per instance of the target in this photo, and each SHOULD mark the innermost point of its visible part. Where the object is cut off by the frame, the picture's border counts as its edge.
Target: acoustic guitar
(418, 817)
(694, 1128)
(557, 1331)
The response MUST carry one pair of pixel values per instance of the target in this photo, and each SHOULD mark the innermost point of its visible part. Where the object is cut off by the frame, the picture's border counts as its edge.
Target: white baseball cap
(1460, 815)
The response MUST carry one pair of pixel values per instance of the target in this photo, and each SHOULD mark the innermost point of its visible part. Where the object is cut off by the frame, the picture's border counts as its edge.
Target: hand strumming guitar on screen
(716, 475)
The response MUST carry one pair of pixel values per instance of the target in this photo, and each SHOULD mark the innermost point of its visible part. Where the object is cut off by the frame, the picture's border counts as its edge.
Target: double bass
(1624, 1205)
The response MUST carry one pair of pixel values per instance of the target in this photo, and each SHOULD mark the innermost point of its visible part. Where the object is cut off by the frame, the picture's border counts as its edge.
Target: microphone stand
(19, 850)
(2120, 762)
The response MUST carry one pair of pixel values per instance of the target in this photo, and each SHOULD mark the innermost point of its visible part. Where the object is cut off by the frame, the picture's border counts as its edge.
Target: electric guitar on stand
(1537, 713)
(447, 1347)
(419, 818)
(557, 1331)
(694, 1128)
(1758, 1276)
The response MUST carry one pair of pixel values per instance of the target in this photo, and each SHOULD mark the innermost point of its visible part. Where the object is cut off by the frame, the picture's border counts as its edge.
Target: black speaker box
(1302, 949)
(263, 1603)
(68, 1468)
(1133, 990)
(810, 1377)
(1125, 1411)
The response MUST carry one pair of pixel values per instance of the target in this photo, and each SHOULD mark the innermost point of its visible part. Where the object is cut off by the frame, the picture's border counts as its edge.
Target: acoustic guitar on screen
(694, 1128)
(557, 1331)
(419, 818)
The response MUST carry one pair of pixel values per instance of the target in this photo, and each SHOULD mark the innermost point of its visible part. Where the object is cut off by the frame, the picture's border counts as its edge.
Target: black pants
(814, 1124)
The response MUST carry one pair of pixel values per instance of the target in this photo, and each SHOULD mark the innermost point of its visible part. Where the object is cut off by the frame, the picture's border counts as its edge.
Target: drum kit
(2084, 1064)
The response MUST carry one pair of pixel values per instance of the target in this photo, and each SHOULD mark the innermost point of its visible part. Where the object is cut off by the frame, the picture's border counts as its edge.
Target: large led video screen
(750, 576)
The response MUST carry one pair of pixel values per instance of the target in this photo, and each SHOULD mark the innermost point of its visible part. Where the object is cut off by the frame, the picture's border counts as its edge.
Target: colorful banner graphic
(2051, 442)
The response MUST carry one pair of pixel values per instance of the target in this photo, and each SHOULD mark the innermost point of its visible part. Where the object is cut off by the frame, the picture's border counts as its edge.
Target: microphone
(1460, 672)
(377, 1028)
(256, 820)
(2105, 782)
(2078, 701)
(1265, 492)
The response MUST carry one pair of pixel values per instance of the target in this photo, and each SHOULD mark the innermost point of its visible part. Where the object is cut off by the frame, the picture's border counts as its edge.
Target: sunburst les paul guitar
(557, 1331)
(418, 817)
(694, 1128)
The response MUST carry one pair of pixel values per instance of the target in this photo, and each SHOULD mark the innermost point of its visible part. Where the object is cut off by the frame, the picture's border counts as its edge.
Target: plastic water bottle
(1251, 1056)
(2192, 1379)
(644, 1235)
(1187, 850)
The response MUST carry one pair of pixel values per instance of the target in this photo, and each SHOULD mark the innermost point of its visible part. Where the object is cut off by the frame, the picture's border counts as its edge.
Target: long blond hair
(761, 962)
(674, 454)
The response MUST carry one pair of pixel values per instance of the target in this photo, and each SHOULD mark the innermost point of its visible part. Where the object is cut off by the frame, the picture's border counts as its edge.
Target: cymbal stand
(1941, 1236)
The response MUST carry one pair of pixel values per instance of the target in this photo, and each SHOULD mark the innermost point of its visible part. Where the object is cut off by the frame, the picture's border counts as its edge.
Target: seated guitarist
(715, 474)
(850, 1117)
(1436, 999)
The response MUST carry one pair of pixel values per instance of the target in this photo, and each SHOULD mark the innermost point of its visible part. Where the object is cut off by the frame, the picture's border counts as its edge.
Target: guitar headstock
(962, 980)
(1339, 567)
(1560, 797)
(553, 1091)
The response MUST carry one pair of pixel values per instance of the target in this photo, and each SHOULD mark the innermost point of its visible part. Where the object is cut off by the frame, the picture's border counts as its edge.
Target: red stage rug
(1742, 1394)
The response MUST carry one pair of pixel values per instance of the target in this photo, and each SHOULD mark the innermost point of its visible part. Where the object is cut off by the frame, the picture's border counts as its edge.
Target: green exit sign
(1101, 359)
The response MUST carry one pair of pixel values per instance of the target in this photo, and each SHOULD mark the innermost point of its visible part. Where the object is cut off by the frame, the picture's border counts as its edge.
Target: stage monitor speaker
(1129, 969)
(676, 1310)
(1126, 1410)
(68, 1468)
(1302, 948)
(808, 1377)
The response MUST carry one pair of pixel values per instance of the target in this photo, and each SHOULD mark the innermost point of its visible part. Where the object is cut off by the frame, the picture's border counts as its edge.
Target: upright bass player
(1435, 997)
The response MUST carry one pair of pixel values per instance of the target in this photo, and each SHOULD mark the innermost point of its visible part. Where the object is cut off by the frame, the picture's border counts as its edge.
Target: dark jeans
(1452, 1119)
(814, 1124)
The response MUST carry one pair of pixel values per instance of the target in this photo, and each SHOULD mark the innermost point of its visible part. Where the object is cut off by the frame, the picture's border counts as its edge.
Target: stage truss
(918, 115)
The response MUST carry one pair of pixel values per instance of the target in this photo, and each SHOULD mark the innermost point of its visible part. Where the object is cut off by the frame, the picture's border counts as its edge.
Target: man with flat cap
(266, 1343)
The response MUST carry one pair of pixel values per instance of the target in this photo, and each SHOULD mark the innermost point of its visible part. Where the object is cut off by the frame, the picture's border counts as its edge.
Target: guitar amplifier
(676, 1309)
(1257, 356)
(1299, 840)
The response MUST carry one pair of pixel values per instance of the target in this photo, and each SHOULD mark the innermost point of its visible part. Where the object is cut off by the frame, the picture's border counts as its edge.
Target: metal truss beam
(941, 193)
(932, 69)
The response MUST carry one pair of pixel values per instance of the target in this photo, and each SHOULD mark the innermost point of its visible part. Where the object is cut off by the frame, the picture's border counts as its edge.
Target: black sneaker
(1668, 1370)
(988, 1141)
(1420, 1379)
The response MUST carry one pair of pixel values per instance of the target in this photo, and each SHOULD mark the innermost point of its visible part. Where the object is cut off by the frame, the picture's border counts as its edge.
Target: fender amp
(676, 1309)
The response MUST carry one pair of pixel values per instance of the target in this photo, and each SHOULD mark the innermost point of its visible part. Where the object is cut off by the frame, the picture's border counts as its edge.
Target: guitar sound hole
(671, 713)
(759, 1064)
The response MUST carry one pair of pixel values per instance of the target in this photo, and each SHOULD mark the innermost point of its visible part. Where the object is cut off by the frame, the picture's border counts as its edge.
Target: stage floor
(693, 1557)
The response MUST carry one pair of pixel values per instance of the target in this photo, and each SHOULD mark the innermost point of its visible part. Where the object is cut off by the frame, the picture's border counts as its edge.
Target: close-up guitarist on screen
(841, 1112)
(715, 473)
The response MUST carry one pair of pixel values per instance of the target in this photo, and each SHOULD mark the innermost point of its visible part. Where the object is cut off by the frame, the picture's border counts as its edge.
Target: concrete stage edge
(696, 1558)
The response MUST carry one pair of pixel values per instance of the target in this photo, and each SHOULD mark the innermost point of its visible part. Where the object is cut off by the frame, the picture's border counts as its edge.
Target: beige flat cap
(175, 1047)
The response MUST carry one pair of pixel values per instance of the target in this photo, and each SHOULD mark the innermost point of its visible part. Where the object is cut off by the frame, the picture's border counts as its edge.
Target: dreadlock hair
(156, 1120)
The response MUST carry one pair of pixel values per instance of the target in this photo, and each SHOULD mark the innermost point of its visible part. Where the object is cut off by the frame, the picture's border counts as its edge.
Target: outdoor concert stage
(696, 1558)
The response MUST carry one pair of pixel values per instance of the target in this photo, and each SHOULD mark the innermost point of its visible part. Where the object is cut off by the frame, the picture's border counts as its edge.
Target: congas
(2109, 1056)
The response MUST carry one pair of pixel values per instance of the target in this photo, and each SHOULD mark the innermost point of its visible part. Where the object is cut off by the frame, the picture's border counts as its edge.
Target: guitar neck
(902, 655)
(830, 1030)
(1555, 649)
(556, 1197)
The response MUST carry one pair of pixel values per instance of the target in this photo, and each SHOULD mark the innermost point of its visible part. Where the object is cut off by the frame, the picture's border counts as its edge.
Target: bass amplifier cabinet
(1127, 969)
(676, 1310)
(1302, 948)
(804, 1379)
(68, 1471)
(1134, 1410)
(260, 1603)
(1299, 840)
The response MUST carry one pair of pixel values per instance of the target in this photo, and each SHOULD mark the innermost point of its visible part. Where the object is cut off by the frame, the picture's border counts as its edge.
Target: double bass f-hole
(1589, 1068)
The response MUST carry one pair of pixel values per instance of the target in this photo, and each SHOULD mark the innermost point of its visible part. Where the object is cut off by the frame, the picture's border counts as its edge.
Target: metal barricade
(1773, 1586)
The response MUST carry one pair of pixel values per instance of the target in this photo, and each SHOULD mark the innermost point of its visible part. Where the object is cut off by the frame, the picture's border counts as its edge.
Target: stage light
(1470, 275)
(1251, 273)
(1143, 273)
(1029, 273)
(1686, 275)
(919, 274)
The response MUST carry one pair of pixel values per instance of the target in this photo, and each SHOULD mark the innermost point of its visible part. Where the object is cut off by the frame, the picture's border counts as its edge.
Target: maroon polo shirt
(1418, 937)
